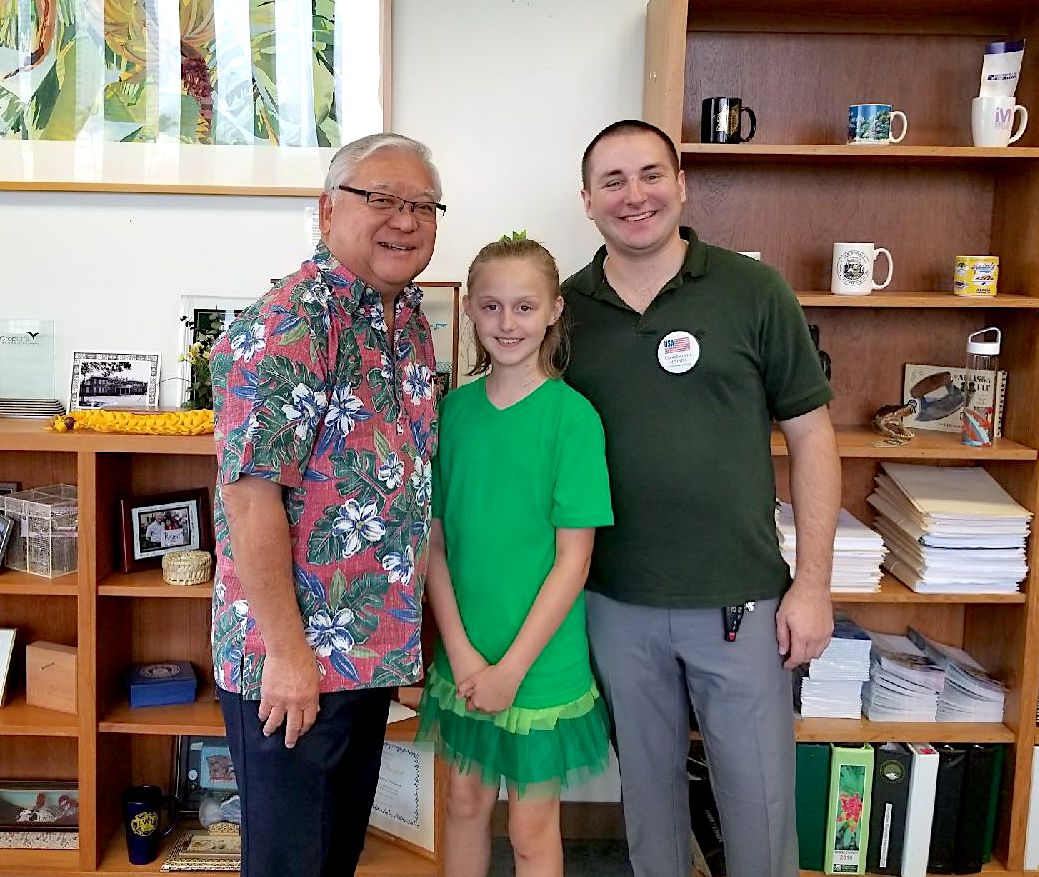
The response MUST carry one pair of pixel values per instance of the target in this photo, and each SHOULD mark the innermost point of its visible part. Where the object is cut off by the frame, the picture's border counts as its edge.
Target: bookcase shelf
(149, 583)
(14, 581)
(917, 299)
(17, 718)
(894, 591)
(865, 442)
(797, 188)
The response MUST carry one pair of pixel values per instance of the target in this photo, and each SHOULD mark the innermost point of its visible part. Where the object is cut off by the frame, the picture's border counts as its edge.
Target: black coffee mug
(142, 808)
(720, 120)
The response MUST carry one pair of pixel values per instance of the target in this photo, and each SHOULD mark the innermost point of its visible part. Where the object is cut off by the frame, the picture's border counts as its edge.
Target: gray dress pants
(651, 663)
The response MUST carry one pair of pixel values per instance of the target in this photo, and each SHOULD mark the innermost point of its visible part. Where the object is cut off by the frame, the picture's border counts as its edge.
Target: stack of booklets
(904, 684)
(857, 551)
(831, 685)
(40, 408)
(970, 694)
(950, 530)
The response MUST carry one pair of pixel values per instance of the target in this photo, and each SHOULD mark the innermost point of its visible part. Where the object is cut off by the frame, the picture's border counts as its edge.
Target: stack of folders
(970, 694)
(857, 551)
(904, 684)
(950, 529)
(831, 685)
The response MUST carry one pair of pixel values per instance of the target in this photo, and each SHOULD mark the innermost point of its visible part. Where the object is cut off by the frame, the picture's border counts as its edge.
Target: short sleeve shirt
(311, 392)
(504, 481)
(690, 452)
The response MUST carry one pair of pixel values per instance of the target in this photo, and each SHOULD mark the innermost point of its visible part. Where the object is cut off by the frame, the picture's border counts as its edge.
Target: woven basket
(187, 567)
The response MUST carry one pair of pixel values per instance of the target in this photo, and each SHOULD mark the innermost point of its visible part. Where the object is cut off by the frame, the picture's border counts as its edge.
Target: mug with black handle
(142, 818)
(721, 120)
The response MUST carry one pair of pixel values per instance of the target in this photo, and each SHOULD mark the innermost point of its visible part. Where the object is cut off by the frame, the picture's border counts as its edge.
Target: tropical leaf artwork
(182, 71)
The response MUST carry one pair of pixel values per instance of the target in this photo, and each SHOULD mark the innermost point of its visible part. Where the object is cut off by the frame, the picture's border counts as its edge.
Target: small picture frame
(159, 523)
(114, 380)
(440, 300)
(33, 806)
(8, 487)
(7, 635)
(6, 531)
(202, 765)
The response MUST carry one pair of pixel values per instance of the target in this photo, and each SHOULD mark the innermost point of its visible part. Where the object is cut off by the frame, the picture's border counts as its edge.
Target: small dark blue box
(162, 684)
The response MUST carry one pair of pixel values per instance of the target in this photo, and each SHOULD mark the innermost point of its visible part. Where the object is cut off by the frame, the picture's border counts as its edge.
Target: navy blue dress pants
(305, 810)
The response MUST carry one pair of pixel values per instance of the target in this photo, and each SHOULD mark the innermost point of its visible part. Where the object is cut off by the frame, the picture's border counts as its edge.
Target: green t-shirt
(689, 454)
(503, 481)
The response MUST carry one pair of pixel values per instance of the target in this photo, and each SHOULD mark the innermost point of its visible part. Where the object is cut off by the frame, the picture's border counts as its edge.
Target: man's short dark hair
(627, 126)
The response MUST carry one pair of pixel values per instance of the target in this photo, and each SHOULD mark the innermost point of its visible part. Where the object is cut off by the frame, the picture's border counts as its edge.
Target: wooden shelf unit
(116, 619)
(797, 188)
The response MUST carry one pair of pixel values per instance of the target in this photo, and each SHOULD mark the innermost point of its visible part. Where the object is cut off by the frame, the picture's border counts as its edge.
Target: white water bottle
(978, 424)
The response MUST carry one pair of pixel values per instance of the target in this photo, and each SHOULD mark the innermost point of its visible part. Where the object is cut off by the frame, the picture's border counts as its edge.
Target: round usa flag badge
(678, 352)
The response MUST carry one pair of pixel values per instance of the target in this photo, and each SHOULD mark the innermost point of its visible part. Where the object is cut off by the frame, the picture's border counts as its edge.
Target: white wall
(506, 92)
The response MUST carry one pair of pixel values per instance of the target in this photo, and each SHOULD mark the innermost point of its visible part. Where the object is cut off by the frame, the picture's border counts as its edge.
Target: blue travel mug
(142, 809)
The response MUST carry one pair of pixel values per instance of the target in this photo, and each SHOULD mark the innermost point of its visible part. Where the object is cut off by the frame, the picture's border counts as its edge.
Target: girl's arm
(464, 659)
(494, 688)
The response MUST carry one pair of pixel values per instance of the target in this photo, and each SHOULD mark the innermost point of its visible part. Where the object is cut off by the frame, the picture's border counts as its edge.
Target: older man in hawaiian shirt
(325, 429)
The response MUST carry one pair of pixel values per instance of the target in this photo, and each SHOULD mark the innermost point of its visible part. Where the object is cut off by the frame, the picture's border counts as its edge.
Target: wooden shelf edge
(146, 188)
(917, 299)
(864, 731)
(150, 583)
(19, 719)
(892, 590)
(32, 435)
(892, 153)
(22, 862)
(381, 857)
(14, 582)
(863, 442)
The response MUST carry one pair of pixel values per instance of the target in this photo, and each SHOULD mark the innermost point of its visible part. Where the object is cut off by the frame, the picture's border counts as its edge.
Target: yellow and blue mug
(142, 809)
(976, 276)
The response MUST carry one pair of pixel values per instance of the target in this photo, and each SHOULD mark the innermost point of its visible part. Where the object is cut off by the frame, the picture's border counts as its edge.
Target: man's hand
(289, 693)
(804, 624)
(491, 690)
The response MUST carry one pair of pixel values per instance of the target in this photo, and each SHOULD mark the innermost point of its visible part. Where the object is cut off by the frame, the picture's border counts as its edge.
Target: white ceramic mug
(852, 272)
(870, 124)
(992, 121)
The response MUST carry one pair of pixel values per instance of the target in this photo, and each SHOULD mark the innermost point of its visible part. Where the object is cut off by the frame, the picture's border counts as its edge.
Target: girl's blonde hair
(554, 353)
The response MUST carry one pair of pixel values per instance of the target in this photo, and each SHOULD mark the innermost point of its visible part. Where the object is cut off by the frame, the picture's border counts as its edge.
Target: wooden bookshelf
(797, 188)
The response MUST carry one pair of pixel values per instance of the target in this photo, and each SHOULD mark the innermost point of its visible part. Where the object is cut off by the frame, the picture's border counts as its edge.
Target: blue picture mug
(870, 124)
(142, 817)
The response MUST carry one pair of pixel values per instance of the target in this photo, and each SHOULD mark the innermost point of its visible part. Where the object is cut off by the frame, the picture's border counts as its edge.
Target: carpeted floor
(582, 858)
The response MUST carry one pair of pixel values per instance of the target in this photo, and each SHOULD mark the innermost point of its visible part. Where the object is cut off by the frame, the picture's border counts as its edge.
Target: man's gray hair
(345, 161)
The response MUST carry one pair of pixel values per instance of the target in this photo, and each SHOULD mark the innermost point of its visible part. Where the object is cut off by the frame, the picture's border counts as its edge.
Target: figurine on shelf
(888, 421)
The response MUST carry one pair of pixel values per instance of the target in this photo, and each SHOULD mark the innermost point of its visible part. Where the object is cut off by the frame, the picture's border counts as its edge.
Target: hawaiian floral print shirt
(309, 393)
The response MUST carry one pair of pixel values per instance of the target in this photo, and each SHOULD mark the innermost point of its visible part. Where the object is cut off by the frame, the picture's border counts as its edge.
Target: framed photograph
(6, 530)
(202, 765)
(7, 487)
(440, 302)
(7, 635)
(103, 104)
(200, 850)
(203, 318)
(114, 380)
(154, 525)
(30, 806)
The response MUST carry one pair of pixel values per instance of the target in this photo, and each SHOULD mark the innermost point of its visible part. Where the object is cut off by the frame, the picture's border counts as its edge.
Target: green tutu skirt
(535, 750)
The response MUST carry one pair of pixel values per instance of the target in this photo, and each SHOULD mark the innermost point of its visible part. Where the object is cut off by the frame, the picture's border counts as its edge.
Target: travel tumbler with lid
(979, 407)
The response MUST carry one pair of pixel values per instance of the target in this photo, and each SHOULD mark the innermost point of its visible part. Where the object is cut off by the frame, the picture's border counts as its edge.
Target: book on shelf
(952, 762)
(970, 693)
(812, 781)
(975, 800)
(923, 778)
(904, 683)
(938, 393)
(847, 809)
(892, 770)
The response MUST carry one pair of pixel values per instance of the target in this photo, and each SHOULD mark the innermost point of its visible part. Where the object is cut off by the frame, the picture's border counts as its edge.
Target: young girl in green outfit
(519, 486)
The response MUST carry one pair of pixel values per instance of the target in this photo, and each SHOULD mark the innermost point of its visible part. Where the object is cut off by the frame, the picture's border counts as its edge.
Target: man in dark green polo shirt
(689, 353)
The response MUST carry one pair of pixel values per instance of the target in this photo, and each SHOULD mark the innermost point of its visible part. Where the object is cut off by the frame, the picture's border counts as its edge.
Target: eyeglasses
(423, 211)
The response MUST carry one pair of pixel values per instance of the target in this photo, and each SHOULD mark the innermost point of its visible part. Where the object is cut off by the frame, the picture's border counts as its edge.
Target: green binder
(993, 806)
(813, 781)
(847, 809)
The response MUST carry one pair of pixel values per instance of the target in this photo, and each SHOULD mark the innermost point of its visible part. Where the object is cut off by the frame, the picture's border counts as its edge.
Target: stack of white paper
(904, 684)
(950, 529)
(831, 685)
(970, 694)
(857, 551)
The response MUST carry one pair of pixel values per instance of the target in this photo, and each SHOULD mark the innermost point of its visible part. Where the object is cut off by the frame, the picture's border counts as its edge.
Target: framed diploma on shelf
(403, 811)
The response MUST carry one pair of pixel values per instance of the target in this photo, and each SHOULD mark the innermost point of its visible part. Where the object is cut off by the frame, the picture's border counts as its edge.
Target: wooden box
(50, 676)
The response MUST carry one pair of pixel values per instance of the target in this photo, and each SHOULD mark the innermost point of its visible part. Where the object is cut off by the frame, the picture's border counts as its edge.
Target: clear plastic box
(46, 530)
